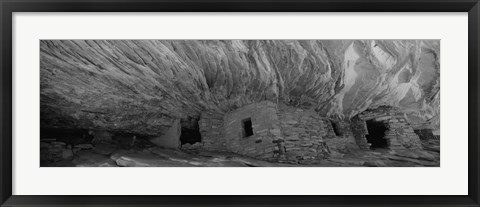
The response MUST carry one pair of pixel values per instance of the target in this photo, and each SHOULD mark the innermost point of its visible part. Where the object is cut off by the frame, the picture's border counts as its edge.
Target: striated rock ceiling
(141, 86)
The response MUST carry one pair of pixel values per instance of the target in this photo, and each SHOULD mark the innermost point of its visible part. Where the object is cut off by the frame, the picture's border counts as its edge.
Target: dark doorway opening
(376, 134)
(190, 133)
(247, 127)
(336, 129)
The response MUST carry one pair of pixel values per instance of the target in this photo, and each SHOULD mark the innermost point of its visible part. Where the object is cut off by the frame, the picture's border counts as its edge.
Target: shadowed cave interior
(190, 134)
(376, 134)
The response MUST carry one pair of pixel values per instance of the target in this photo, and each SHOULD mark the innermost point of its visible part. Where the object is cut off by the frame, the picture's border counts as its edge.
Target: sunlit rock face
(143, 86)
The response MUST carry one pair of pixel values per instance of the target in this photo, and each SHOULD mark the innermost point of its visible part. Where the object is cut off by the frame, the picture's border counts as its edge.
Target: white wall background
(450, 178)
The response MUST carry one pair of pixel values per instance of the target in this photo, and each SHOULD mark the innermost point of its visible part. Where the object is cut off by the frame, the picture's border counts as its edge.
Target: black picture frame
(7, 8)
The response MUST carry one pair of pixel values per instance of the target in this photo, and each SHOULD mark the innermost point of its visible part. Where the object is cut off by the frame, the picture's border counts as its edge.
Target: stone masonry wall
(212, 131)
(171, 138)
(303, 133)
(343, 127)
(405, 135)
(400, 134)
(359, 130)
(280, 133)
(283, 133)
(340, 143)
(264, 143)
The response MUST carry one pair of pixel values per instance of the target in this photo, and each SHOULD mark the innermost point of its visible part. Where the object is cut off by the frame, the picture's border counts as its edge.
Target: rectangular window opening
(247, 127)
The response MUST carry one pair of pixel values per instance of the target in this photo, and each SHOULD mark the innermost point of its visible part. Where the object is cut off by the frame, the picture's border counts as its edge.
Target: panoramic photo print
(240, 103)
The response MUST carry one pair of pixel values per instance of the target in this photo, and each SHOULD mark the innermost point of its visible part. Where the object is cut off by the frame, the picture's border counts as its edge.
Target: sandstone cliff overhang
(144, 86)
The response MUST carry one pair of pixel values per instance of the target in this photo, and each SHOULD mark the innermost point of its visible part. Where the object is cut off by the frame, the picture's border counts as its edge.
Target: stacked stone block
(359, 130)
(400, 135)
(303, 132)
(284, 133)
(266, 141)
(341, 143)
(212, 131)
(329, 128)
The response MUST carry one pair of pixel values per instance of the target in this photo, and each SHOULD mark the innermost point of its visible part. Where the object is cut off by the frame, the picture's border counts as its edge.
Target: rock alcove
(269, 102)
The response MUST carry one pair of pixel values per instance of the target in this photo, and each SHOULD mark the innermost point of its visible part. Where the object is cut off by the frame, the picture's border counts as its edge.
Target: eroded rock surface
(144, 86)
(165, 157)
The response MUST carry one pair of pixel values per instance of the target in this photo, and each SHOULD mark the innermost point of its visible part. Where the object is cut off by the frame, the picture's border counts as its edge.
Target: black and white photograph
(240, 103)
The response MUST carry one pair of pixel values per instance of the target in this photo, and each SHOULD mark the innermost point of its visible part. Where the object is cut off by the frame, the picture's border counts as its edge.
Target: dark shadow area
(128, 140)
(67, 135)
(336, 129)
(376, 134)
(426, 134)
(247, 127)
(190, 134)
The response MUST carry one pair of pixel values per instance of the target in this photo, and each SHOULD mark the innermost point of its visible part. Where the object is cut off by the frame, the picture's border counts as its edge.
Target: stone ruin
(284, 101)
(280, 133)
(267, 131)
